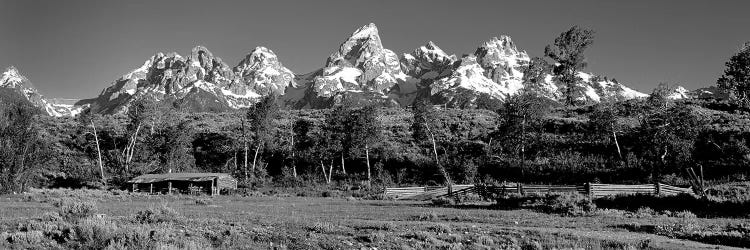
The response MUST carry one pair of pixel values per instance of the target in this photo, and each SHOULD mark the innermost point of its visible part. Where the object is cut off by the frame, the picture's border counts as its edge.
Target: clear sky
(75, 48)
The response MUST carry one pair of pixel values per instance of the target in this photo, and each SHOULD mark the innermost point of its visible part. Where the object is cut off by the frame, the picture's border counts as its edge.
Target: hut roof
(151, 178)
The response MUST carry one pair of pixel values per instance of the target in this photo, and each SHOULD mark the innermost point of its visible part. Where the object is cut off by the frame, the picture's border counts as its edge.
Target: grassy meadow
(80, 219)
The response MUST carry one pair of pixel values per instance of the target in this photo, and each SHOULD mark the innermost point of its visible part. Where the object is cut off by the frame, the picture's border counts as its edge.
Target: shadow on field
(431, 205)
(686, 229)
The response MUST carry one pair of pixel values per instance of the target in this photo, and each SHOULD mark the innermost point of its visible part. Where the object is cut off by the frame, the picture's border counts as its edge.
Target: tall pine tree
(736, 77)
(567, 51)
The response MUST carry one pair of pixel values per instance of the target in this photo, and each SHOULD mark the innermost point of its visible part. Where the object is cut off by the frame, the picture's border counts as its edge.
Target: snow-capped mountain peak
(369, 31)
(500, 51)
(361, 64)
(361, 69)
(11, 78)
(363, 45)
(432, 53)
(261, 56)
(428, 62)
(14, 81)
(262, 72)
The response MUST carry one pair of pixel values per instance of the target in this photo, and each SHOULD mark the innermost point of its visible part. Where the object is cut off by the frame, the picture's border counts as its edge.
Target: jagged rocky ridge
(361, 70)
(201, 82)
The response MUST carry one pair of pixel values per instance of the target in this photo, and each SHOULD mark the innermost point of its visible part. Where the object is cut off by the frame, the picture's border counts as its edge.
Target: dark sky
(74, 49)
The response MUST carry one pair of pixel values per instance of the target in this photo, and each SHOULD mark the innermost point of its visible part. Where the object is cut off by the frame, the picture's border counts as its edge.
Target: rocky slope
(706, 93)
(361, 70)
(497, 68)
(17, 87)
(199, 83)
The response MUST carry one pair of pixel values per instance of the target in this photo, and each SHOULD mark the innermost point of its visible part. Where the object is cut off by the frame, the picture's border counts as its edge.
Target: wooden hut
(186, 183)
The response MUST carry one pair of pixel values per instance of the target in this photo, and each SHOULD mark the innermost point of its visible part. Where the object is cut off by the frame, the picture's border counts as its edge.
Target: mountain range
(360, 71)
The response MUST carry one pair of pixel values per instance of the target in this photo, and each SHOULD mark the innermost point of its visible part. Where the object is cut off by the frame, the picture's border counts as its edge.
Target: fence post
(587, 185)
(520, 189)
(658, 188)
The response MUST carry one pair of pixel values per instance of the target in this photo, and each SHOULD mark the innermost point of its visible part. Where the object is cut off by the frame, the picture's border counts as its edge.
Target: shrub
(679, 228)
(323, 227)
(332, 193)
(452, 238)
(731, 191)
(441, 228)
(645, 212)
(485, 240)
(443, 201)
(203, 201)
(28, 238)
(100, 233)
(72, 209)
(531, 245)
(157, 215)
(511, 201)
(709, 206)
(421, 235)
(568, 203)
(560, 203)
(426, 216)
(383, 226)
(685, 215)
(374, 237)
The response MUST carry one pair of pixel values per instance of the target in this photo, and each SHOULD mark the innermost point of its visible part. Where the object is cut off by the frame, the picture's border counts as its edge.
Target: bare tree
(423, 128)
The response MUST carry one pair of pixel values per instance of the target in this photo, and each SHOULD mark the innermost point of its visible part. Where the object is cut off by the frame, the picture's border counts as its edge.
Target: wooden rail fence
(593, 190)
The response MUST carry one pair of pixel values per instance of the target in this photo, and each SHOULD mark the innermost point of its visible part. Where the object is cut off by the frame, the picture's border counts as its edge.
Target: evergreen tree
(659, 98)
(487, 102)
(567, 51)
(736, 77)
(171, 146)
(534, 75)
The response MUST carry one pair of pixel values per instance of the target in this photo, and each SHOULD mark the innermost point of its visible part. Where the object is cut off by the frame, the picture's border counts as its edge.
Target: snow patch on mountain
(679, 93)
(360, 70)
(471, 76)
(12, 79)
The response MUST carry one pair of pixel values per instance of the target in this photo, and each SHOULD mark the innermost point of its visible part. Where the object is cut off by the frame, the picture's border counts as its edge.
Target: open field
(285, 222)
